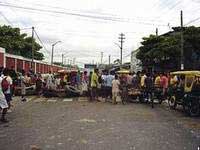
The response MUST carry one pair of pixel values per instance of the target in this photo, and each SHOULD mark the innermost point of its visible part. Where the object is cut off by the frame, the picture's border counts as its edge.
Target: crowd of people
(114, 85)
(94, 84)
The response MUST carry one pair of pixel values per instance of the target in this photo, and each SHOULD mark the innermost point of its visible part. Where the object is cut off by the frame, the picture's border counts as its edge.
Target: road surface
(66, 124)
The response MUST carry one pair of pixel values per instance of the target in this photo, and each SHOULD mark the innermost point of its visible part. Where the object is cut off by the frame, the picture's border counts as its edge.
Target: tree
(19, 44)
(164, 51)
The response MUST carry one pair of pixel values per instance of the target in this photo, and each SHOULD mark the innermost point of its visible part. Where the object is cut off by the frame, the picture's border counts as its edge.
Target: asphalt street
(66, 124)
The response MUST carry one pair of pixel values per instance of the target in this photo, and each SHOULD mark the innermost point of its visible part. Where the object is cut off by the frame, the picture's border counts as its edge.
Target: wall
(19, 62)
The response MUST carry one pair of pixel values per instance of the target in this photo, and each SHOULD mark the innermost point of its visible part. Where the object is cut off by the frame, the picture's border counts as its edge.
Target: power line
(107, 18)
(192, 21)
(170, 8)
(7, 20)
(55, 7)
(41, 42)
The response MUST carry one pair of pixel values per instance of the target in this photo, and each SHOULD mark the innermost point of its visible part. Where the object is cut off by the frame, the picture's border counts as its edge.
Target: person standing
(3, 103)
(164, 83)
(84, 83)
(94, 84)
(115, 89)
(78, 80)
(49, 80)
(157, 82)
(39, 85)
(13, 75)
(7, 83)
(109, 80)
(129, 79)
(89, 85)
(148, 87)
(136, 80)
(23, 86)
(142, 81)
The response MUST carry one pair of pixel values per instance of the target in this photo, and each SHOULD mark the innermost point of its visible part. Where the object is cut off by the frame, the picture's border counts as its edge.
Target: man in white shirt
(50, 81)
(3, 103)
(23, 86)
(115, 89)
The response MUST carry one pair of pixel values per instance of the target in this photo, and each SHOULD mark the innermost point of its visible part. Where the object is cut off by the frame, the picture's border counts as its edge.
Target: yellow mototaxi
(184, 90)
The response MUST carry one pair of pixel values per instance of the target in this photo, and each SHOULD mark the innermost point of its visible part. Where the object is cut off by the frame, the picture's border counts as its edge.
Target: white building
(135, 63)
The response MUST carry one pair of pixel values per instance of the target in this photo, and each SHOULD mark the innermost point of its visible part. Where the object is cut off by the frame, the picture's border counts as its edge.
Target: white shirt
(115, 85)
(10, 81)
(3, 102)
(1, 92)
(57, 81)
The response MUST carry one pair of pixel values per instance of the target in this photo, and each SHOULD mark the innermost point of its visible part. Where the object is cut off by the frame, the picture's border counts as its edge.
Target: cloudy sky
(89, 27)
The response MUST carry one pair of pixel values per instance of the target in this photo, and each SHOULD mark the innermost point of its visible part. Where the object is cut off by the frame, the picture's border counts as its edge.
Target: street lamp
(52, 54)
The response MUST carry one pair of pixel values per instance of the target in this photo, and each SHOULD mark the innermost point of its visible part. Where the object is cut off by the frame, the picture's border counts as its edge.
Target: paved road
(57, 124)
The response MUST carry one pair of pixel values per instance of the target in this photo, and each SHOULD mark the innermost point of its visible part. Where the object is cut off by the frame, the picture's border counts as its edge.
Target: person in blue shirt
(108, 85)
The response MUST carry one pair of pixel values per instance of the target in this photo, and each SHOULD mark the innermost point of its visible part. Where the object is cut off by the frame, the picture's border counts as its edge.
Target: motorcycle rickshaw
(185, 91)
(131, 93)
(123, 86)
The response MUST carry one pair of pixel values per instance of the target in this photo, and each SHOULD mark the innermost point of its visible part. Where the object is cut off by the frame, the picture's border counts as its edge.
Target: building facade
(18, 63)
(135, 63)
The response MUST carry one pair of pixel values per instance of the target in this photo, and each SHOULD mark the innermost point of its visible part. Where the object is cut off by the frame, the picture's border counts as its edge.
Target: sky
(86, 28)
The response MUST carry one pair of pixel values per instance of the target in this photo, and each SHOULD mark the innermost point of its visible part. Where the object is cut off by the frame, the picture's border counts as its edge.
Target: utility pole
(109, 59)
(52, 53)
(182, 43)
(121, 38)
(62, 59)
(74, 61)
(156, 31)
(33, 69)
(101, 57)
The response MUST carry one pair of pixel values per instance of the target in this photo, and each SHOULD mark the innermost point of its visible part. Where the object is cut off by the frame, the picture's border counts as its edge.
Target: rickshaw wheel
(172, 102)
(194, 109)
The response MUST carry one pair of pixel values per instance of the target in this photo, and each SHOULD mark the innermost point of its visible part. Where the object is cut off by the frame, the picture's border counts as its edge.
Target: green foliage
(19, 44)
(166, 48)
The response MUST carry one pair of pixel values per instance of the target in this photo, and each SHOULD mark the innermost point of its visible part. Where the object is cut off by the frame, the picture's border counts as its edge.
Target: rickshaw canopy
(123, 71)
(192, 73)
(189, 78)
(67, 71)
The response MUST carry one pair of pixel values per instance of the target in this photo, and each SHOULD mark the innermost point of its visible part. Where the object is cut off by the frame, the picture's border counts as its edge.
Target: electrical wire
(192, 21)
(107, 18)
(5, 18)
(81, 11)
(41, 42)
